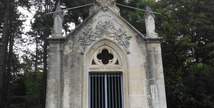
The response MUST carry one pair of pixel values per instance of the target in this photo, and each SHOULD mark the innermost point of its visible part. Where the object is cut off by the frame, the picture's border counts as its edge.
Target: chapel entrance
(105, 90)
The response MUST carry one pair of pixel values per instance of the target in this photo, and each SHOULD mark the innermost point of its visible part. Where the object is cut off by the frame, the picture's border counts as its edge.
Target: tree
(42, 29)
(3, 54)
(33, 83)
(187, 29)
(10, 30)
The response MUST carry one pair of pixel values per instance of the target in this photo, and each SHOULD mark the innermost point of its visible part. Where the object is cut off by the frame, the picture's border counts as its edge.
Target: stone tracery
(105, 56)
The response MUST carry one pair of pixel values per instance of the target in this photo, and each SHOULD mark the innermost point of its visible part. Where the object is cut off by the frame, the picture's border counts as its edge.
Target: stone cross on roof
(105, 2)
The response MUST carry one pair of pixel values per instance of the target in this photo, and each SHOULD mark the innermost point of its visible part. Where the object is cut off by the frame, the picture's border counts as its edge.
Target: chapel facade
(105, 62)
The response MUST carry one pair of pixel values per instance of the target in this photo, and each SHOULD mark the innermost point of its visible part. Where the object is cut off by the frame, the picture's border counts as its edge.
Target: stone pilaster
(66, 93)
(155, 73)
(54, 85)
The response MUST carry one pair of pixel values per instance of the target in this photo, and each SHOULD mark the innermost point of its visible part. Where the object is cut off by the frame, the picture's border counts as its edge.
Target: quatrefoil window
(105, 56)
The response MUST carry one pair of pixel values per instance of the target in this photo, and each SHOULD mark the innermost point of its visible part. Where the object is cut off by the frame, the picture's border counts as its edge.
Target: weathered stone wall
(72, 74)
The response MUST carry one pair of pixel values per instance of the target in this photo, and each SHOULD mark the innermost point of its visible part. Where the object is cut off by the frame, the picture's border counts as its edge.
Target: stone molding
(56, 40)
(153, 40)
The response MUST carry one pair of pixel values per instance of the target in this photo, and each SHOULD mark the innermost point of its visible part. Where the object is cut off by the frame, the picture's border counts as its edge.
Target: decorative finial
(58, 21)
(106, 3)
(150, 23)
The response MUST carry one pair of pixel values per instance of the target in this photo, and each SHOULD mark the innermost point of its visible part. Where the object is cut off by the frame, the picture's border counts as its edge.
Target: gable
(104, 24)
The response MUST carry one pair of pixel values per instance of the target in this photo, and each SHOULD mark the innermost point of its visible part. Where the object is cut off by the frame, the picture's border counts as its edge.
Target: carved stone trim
(105, 68)
(104, 29)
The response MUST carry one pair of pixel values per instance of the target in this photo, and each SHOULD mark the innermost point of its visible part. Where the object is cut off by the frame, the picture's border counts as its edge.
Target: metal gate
(105, 90)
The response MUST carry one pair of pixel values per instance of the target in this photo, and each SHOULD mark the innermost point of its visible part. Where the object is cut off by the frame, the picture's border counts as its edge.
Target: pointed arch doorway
(105, 76)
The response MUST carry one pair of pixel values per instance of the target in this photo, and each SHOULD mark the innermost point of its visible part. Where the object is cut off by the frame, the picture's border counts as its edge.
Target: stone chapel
(105, 62)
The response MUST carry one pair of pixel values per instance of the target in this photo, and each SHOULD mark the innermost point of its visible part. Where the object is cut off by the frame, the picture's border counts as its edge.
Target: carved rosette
(104, 29)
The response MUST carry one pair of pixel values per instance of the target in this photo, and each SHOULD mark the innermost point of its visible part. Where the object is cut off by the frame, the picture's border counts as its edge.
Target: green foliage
(16, 87)
(175, 88)
(43, 23)
(33, 81)
(200, 83)
(74, 16)
(187, 27)
(25, 85)
(17, 92)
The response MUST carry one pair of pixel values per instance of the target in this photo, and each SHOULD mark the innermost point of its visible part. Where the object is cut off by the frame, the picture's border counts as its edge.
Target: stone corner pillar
(54, 86)
(155, 74)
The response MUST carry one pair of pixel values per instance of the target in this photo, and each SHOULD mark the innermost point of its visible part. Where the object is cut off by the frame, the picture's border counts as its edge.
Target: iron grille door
(105, 90)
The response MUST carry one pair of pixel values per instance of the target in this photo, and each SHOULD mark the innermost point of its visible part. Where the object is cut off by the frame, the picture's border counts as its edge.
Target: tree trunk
(3, 52)
(8, 70)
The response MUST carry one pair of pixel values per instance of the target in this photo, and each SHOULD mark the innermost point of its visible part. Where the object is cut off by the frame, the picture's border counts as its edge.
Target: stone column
(155, 74)
(54, 85)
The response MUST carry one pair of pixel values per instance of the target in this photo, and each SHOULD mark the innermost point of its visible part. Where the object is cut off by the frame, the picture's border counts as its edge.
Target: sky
(20, 46)
(27, 45)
